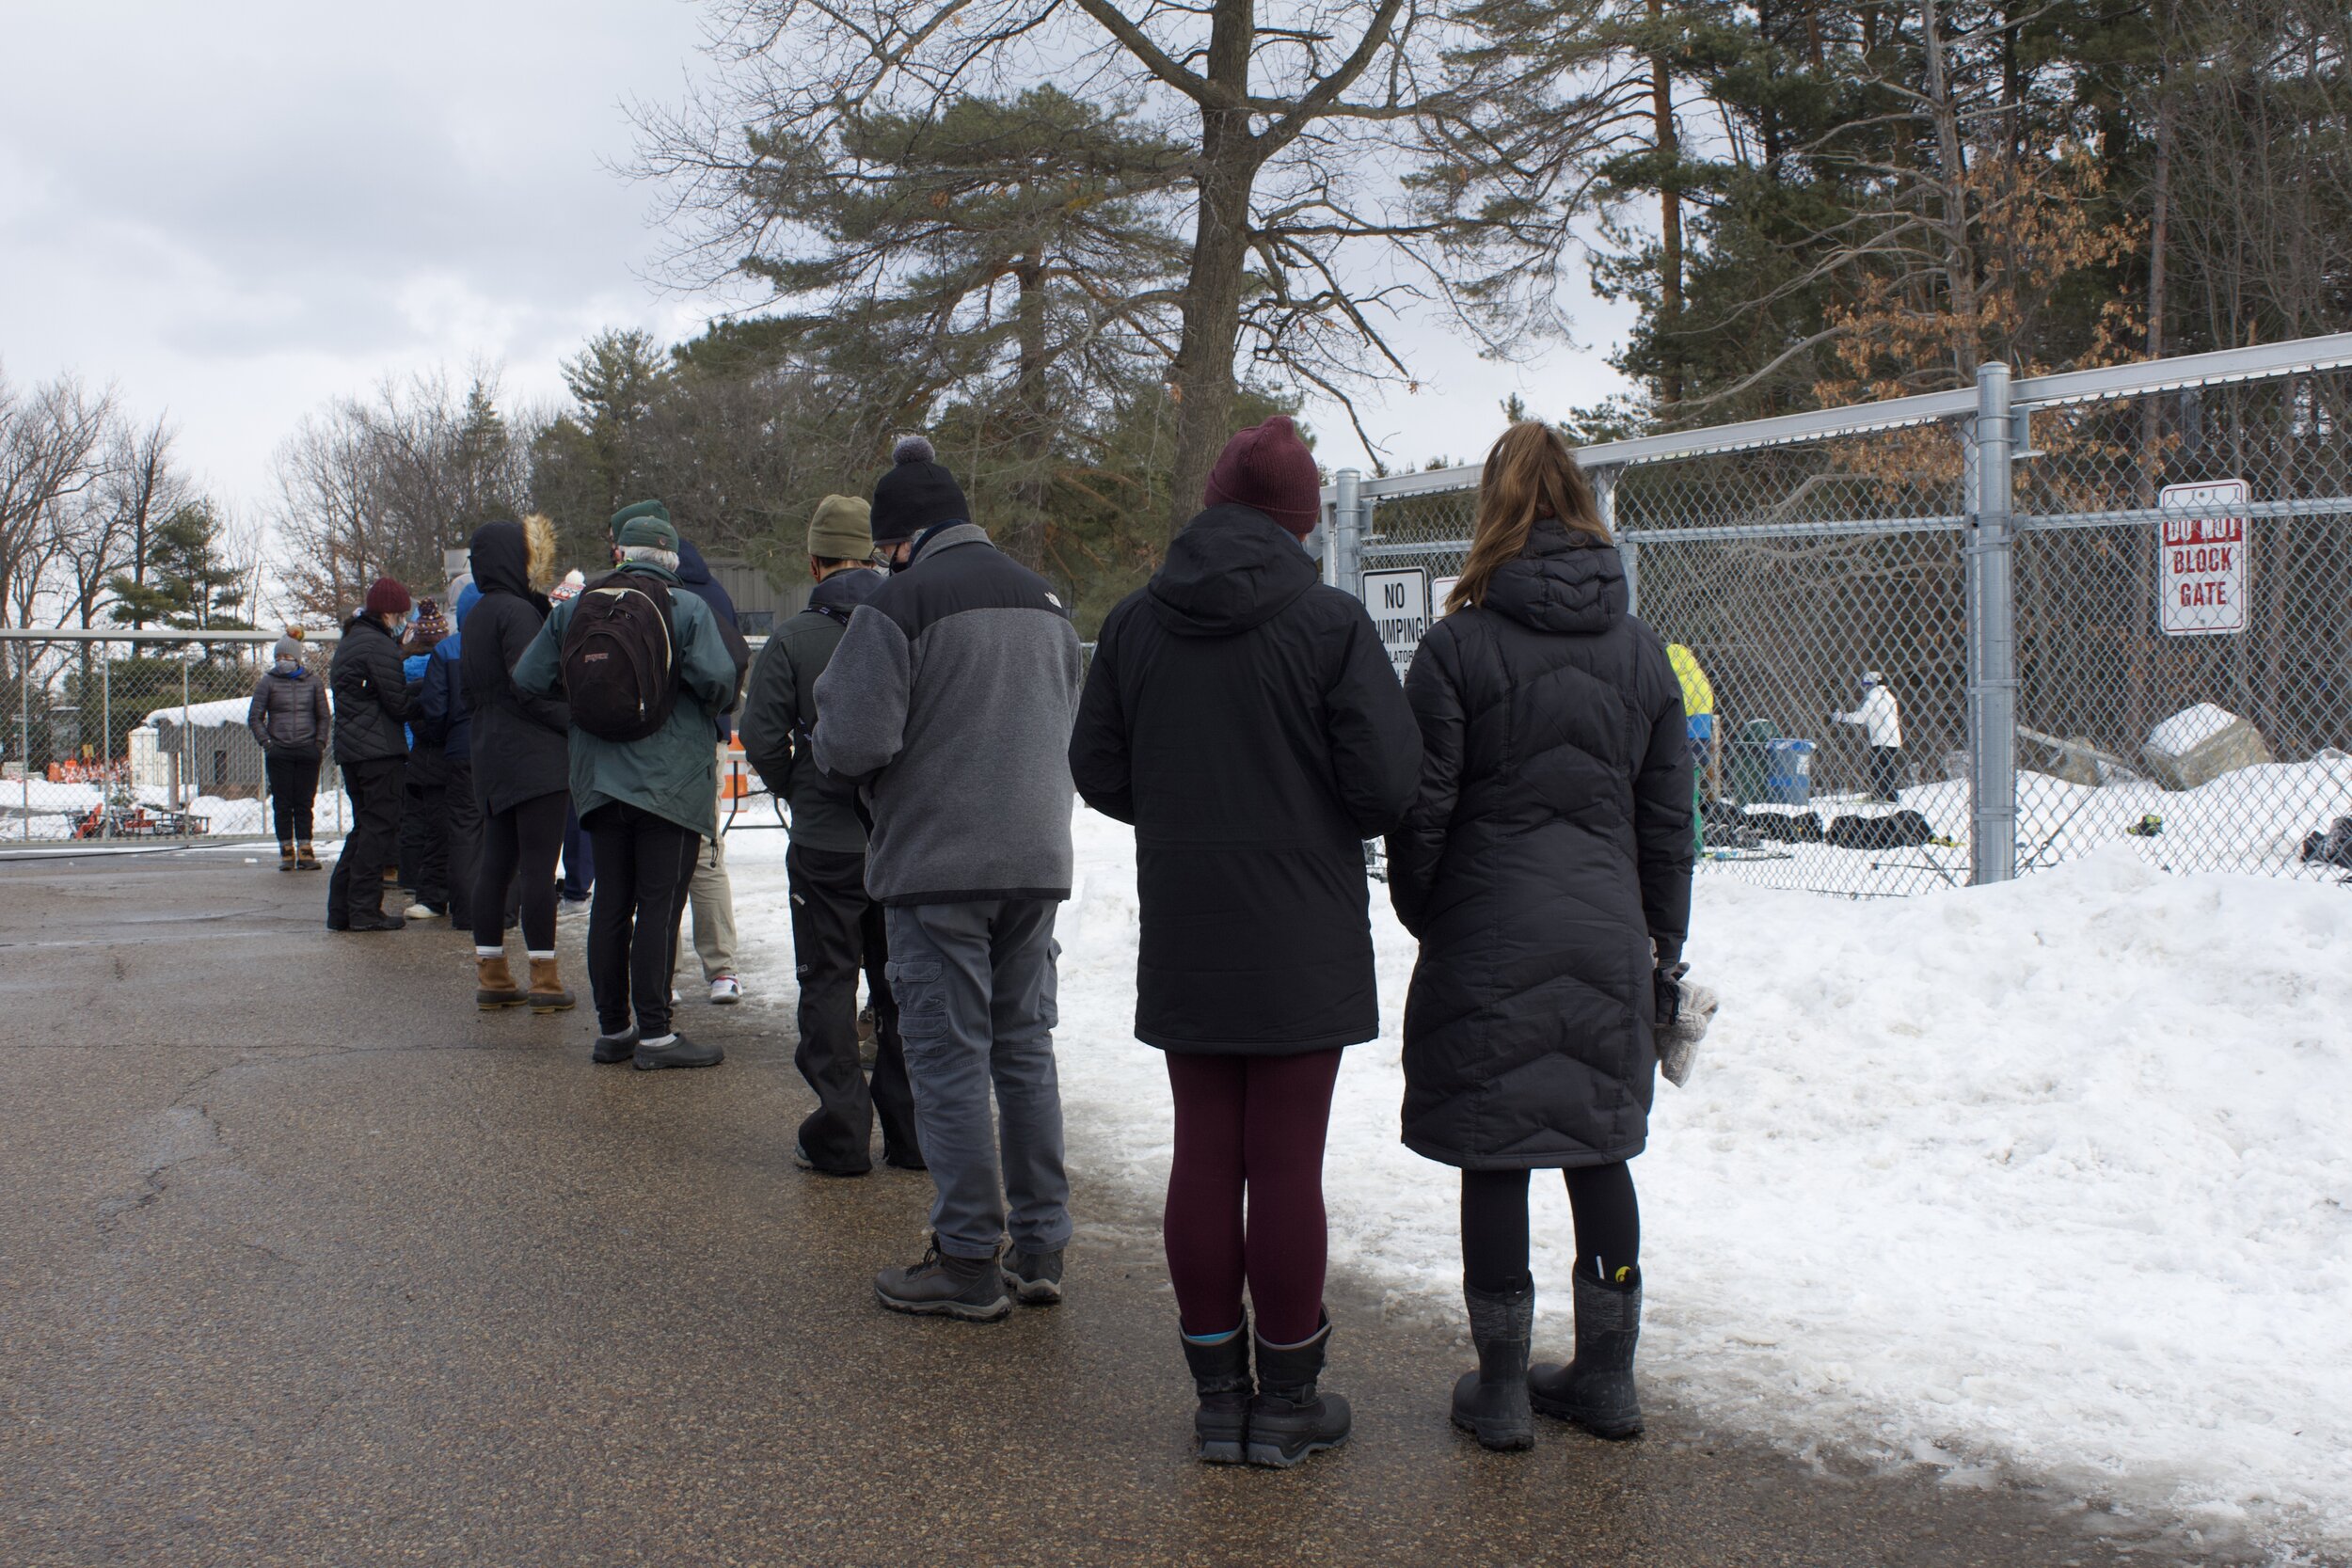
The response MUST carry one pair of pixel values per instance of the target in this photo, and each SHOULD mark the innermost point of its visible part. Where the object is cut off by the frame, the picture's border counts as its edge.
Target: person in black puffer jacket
(1247, 719)
(372, 749)
(521, 746)
(1545, 866)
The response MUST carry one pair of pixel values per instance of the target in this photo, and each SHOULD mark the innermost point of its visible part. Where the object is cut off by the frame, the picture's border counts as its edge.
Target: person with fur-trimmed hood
(949, 703)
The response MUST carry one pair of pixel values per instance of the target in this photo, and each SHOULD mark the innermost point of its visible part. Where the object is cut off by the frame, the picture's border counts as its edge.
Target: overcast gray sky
(235, 211)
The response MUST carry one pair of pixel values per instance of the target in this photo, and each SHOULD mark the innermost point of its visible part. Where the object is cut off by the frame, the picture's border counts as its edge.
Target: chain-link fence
(114, 737)
(1960, 637)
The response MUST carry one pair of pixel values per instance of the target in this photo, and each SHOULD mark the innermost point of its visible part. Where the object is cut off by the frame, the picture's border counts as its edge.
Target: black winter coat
(1548, 851)
(371, 693)
(1247, 719)
(694, 572)
(522, 741)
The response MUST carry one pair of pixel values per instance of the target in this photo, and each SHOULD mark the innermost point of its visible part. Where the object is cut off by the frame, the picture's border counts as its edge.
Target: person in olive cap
(949, 703)
(838, 928)
(371, 693)
(646, 803)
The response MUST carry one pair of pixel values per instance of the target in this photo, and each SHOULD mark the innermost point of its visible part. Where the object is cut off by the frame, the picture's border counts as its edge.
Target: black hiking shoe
(1034, 1277)
(1289, 1420)
(680, 1051)
(609, 1048)
(376, 921)
(1491, 1403)
(1221, 1376)
(969, 1289)
(1596, 1389)
(799, 1158)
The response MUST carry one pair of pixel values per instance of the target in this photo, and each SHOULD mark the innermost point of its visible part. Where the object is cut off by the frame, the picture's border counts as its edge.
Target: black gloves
(1666, 993)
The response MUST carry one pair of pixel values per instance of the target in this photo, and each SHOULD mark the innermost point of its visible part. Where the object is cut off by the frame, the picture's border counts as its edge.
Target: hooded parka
(371, 692)
(1247, 719)
(289, 715)
(1545, 854)
(522, 739)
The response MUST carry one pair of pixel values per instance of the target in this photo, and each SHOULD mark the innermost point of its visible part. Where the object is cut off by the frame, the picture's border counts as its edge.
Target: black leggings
(526, 836)
(1494, 1225)
(644, 862)
(294, 781)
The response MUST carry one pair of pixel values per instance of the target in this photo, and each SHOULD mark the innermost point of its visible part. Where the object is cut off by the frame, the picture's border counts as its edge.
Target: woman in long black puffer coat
(1545, 865)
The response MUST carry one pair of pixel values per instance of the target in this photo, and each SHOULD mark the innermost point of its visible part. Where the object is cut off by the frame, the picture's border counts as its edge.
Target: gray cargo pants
(976, 990)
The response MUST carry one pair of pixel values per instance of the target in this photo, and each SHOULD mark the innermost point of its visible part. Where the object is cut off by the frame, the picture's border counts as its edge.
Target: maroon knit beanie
(1268, 468)
(387, 596)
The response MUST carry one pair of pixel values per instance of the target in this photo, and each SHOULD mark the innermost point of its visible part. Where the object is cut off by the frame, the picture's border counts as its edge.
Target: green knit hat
(843, 529)
(633, 511)
(646, 529)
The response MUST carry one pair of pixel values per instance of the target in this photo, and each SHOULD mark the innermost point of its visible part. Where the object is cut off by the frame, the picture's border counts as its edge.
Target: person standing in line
(1544, 867)
(838, 928)
(291, 721)
(1245, 719)
(711, 896)
(521, 768)
(424, 792)
(1881, 720)
(441, 710)
(949, 703)
(645, 801)
(372, 748)
(580, 862)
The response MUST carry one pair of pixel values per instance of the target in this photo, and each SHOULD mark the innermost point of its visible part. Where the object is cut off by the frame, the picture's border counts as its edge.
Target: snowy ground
(42, 811)
(2054, 1178)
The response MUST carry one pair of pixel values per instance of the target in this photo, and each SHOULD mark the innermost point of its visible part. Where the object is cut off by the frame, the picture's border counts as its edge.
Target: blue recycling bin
(1789, 774)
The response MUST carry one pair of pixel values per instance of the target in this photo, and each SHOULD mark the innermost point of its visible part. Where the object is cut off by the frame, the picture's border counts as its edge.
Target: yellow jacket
(1698, 696)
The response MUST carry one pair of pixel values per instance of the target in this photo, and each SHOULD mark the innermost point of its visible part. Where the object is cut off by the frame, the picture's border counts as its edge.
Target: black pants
(357, 886)
(580, 860)
(1494, 1225)
(836, 931)
(1886, 770)
(521, 842)
(644, 862)
(293, 782)
(465, 842)
(424, 833)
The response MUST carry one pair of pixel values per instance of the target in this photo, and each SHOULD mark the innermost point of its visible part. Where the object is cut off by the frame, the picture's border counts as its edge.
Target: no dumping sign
(1399, 603)
(2200, 571)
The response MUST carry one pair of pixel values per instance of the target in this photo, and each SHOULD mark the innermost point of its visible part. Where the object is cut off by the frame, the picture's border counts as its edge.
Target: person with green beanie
(647, 803)
(838, 928)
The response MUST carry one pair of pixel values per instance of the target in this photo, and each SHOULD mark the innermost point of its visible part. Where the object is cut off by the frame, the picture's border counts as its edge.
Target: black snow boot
(1595, 1390)
(1288, 1419)
(1491, 1403)
(1220, 1375)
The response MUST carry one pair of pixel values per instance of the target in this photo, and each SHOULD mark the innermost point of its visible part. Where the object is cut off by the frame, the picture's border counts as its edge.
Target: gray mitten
(1678, 1036)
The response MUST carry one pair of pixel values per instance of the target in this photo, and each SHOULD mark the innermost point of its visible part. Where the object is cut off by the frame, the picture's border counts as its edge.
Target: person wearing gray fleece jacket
(949, 703)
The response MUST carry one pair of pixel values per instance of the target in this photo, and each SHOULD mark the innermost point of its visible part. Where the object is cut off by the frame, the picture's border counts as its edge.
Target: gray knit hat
(842, 530)
(286, 650)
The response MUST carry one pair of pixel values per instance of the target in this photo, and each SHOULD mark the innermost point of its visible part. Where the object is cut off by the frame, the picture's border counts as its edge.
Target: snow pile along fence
(2107, 606)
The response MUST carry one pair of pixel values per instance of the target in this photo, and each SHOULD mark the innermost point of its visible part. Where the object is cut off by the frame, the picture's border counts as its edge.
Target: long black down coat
(522, 741)
(1247, 719)
(1546, 852)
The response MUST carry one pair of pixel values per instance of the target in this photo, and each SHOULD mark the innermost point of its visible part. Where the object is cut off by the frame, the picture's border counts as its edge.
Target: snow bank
(2189, 729)
(2057, 1174)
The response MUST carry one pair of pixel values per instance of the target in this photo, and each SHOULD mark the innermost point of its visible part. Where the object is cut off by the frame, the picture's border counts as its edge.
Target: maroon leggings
(1254, 1125)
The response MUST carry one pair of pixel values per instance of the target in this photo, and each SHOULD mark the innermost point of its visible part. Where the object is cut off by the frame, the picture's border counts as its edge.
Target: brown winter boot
(305, 858)
(548, 994)
(494, 985)
(285, 857)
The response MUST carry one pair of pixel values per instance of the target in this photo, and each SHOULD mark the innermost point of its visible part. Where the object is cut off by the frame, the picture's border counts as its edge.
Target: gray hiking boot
(1596, 1389)
(1034, 1277)
(969, 1289)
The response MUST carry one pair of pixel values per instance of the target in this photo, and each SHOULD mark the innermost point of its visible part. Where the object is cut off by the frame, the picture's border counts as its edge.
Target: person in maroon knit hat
(1245, 717)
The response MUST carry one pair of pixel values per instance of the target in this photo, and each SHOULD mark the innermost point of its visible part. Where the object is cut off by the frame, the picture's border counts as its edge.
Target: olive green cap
(842, 530)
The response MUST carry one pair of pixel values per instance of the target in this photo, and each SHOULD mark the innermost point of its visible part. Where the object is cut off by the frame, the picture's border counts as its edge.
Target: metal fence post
(1605, 499)
(1347, 518)
(24, 731)
(1992, 637)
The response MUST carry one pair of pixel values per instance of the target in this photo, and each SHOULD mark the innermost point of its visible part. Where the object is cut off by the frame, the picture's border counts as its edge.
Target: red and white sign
(2200, 571)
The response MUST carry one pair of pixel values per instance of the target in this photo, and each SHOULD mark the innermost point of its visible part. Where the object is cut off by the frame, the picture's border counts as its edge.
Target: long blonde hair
(1530, 475)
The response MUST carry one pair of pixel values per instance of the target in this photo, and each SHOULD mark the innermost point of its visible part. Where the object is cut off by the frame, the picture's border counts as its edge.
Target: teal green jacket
(673, 772)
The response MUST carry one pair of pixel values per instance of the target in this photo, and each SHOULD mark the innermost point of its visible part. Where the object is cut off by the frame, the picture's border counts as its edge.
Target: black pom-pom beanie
(915, 493)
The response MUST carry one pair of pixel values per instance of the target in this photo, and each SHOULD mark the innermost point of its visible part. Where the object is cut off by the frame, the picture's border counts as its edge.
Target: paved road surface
(305, 1262)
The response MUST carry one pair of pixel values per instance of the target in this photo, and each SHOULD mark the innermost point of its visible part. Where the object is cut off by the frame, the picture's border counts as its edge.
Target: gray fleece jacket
(949, 703)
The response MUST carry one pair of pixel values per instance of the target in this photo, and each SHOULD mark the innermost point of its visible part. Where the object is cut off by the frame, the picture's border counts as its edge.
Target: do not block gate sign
(2200, 574)
(1399, 603)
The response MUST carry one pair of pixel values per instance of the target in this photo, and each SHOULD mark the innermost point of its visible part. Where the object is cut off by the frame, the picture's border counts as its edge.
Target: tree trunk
(1203, 379)
(1669, 220)
(1959, 263)
(1033, 440)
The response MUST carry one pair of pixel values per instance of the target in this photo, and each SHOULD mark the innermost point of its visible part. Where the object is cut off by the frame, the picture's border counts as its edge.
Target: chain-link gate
(121, 736)
(1958, 637)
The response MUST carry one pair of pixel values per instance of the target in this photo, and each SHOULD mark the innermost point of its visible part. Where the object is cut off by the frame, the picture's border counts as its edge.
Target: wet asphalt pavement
(304, 1260)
